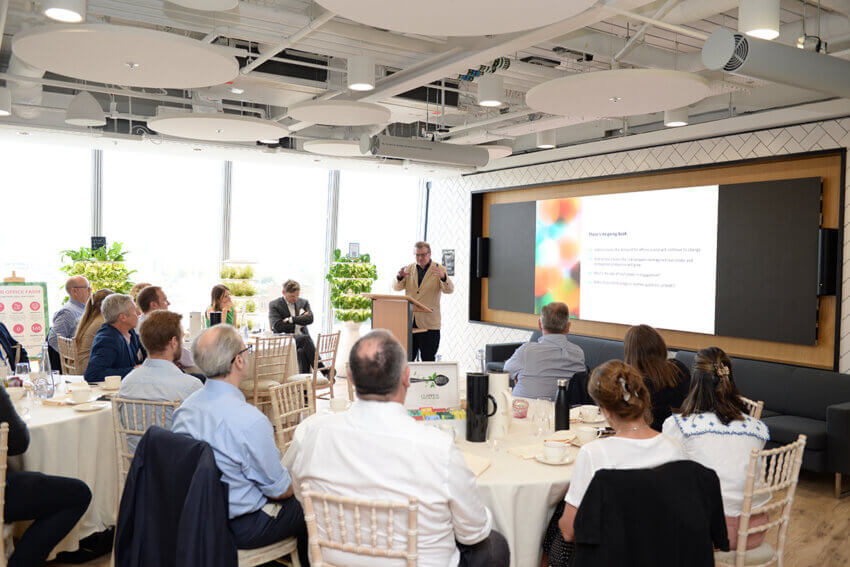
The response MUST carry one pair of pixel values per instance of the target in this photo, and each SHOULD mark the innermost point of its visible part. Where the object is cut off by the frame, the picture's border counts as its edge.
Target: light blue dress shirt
(242, 440)
(537, 366)
(65, 322)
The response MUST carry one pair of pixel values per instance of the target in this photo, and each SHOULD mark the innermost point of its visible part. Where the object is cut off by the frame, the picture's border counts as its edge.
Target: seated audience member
(667, 379)
(66, 319)
(89, 325)
(222, 302)
(715, 431)
(55, 503)
(8, 350)
(377, 451)
(134, 291)
(622, 396)
(291, 314)
(538, 366)
(261, 508)
(116, 348)
(150, 299)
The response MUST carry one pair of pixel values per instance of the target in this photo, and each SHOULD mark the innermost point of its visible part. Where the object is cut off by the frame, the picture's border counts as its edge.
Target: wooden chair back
(754, 408)
(774, 472)
(131, 419)
(292, 403)
(17, 349)
(68, 356)
(337, 535)
(270, 357)
(4, 453)
(326, 349)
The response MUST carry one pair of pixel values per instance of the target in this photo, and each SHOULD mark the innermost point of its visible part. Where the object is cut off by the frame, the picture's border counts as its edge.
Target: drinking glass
(495, 445)
(542, 418)
(44, 386)
(22, 370)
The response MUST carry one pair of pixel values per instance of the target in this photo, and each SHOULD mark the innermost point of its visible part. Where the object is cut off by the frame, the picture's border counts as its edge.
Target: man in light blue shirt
(65, 320)
(538, 366)
(262, 509)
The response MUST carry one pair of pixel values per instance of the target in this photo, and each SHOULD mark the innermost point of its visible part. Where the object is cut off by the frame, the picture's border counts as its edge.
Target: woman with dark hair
(88, 327)
(715, 431)
(667, 379)
(623, 398)
(221, 301)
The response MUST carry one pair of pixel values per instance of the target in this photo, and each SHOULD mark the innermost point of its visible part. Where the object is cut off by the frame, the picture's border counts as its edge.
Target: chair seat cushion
(784, 429)
(757, 556)
(765, 413)
(262, 386)
(321, 380)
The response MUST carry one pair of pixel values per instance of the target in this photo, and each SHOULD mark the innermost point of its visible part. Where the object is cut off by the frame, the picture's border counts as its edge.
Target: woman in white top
(715, 431)
(621, 393)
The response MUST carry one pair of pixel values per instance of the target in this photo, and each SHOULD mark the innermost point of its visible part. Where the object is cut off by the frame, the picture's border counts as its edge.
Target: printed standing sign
(449, 261)
(353, 249)
(23, 309)
(433, 384)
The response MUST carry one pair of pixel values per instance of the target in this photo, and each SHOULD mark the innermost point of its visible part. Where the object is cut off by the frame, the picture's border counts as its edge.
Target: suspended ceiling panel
(457, 17)
(217, 127)
(123, 55)
(340, 148)
(340, 113)
(207, 5)
(619, 92)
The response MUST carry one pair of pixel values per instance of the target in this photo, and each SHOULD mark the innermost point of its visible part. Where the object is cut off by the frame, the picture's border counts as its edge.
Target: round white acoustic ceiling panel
(217, 127)
(123, 55)
(457, 17)
(619, 92)
(339, 148)
(497, 151)
(207, 5)
(340, 113)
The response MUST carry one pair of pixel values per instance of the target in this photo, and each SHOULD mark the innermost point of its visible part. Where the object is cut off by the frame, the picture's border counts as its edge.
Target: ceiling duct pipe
(26, 96)
(739, 54)
(423, 150)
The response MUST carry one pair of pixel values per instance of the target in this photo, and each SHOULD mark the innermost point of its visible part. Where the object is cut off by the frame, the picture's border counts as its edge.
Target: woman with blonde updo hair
(715, 431)
(622, 396)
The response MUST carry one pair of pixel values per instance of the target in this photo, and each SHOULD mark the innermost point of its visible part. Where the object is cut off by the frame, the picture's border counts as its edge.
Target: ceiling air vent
(742, 47)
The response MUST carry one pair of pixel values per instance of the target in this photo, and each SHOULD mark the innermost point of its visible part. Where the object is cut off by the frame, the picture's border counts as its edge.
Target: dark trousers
(55, 360)
(55, 503)
(425, 345)
(306, 352)
(490, 552)
(259, 529)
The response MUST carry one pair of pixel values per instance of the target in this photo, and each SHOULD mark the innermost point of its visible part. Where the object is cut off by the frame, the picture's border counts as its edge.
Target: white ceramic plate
(567, 460)
(600, 419)
(91, 406)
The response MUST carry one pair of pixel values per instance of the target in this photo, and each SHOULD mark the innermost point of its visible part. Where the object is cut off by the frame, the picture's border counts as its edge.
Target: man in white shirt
(376, 451)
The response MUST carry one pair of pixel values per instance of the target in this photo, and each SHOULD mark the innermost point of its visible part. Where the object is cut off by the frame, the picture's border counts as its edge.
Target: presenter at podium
(424, 281)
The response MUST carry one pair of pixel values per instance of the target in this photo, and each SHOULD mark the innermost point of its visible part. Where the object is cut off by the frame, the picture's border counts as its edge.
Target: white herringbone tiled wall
(448, 223)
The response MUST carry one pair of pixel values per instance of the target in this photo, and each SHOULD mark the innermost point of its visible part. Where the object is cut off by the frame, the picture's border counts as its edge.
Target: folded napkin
(527, 451)
(476, 463)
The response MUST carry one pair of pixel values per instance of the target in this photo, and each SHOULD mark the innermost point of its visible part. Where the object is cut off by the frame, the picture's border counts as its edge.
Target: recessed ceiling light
(491, 91)
(759, 18)
(676, 117)
(65, 11)
(361, 73)
(546, 139)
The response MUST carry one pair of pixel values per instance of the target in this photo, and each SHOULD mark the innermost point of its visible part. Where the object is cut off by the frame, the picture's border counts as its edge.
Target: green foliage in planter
(251, 306)
(340, 286)
(353, 302)
(354, 315)
(237, 273)
(352, 270)
(349, 277)
(104, 267)
(362, 259)
(241, 289)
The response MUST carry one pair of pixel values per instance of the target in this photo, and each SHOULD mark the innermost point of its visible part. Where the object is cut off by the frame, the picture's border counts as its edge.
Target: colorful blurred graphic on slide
(557, 252)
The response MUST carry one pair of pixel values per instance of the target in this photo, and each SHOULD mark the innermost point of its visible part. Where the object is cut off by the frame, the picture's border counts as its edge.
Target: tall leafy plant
(349, 277)
(104, 267)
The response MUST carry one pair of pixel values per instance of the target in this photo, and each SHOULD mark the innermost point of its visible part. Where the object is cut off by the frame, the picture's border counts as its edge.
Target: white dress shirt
(293, 310)
(376, 451)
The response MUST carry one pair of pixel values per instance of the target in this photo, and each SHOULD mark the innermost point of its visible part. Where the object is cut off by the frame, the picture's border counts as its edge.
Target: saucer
(94, 396)
(105, 388)
(567, 460)
(600, 419)
(91, 406)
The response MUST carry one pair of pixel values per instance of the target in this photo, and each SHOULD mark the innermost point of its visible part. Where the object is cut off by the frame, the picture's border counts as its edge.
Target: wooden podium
(395, 314)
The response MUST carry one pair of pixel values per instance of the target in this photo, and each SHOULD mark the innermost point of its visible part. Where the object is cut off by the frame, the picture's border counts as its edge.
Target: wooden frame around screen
(828, 165)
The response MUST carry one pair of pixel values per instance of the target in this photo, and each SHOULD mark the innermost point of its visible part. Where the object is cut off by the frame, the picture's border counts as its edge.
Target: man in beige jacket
(424, 281)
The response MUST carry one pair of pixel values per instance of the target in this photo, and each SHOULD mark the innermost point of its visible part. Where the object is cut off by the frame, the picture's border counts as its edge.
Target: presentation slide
(644, 257)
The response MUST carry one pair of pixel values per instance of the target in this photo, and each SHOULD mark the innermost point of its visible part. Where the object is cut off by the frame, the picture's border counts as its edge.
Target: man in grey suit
(290, 314)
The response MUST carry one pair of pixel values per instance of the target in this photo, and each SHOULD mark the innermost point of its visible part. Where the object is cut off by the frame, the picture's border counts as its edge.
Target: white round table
(65, 442)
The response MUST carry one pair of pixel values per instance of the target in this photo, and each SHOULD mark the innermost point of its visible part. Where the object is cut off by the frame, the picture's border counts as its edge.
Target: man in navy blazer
(116, 348)
(7, 348)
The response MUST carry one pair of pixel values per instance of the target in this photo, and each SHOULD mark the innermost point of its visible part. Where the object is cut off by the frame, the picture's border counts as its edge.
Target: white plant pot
(350, 334)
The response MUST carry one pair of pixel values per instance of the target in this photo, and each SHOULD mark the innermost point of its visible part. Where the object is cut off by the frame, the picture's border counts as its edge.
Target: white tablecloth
(79, 445)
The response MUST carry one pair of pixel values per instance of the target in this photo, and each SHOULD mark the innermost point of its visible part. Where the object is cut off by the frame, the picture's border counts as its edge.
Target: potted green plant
(104, 267)
(349, 278)
(239, 277)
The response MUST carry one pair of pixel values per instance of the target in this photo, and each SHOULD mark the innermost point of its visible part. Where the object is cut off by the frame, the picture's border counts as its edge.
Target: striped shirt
(65, 322)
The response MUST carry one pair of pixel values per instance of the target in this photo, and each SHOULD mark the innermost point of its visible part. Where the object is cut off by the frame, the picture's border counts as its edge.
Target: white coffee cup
(16, 393)
(589, 413)
(554, 450)
(112, 382)
(587, 434)
(80, 394)
(339, 404)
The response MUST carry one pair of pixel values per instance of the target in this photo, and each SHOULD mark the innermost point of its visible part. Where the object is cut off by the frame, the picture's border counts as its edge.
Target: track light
(676, 117)
(5, 101)
(759, 18)
(84, 110)
(546, 139)
(66, 11)
(491, 91)
(361, 73)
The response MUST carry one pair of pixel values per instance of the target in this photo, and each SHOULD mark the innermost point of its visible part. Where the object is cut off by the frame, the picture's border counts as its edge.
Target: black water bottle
(562, 406)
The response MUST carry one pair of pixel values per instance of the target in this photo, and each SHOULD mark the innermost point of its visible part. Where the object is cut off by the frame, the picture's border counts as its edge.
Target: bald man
(65, 320)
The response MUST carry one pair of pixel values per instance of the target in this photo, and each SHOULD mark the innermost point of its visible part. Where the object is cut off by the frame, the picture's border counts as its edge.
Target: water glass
(44, 386)
(22, 370)
(495, 445)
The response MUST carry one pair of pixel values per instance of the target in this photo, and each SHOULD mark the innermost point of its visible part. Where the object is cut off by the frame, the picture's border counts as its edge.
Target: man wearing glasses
(424, 281)
(65, 320)
(261, 508)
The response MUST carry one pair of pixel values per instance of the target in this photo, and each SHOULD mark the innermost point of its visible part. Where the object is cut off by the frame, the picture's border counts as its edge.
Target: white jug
(499, 424)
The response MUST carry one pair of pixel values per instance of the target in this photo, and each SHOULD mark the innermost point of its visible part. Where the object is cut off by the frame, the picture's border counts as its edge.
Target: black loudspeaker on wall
(827, 261)
(482, 257)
